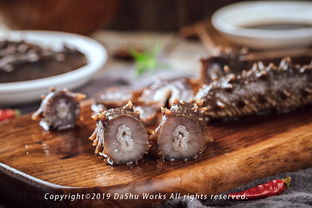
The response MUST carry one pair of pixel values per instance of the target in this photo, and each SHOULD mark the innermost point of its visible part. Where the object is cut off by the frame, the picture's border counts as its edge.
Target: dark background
(165, 15)
(86, 16)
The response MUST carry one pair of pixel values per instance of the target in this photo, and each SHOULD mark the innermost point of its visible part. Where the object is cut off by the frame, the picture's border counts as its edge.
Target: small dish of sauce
(266, 24)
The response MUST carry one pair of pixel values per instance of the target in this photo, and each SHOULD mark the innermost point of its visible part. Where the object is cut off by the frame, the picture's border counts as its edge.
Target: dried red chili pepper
(8, 113)
(270, 188)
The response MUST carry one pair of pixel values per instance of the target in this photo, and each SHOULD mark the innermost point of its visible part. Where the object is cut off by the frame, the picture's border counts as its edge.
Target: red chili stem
(287, 181)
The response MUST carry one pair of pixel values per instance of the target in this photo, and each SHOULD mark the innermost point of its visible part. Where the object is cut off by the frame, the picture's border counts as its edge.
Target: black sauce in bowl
(22, 61)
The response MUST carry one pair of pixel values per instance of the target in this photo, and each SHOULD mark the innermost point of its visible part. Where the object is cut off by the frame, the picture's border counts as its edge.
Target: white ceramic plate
(230, 20)
(26, 91)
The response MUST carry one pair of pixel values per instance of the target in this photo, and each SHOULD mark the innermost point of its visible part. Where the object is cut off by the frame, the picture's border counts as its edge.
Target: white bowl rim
(60, 78)
(237, 30)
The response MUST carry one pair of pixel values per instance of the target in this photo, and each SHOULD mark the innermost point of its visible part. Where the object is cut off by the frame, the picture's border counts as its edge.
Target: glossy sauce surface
(278, 26)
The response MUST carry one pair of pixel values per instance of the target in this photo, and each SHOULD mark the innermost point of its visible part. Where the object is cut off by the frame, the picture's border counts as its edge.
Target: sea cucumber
(120, 135)
(230, 61)
(182, 133)
(164, 91)
(262, 88)
(59, 110)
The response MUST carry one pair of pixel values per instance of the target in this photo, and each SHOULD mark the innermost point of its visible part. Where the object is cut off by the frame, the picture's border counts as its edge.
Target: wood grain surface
(34, 162)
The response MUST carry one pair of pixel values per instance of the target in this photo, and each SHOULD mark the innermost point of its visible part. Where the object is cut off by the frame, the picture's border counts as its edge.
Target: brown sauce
(278, 26)
(22, 61)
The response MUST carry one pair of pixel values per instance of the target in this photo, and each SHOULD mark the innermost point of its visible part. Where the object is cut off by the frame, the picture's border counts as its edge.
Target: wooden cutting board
(34, 162)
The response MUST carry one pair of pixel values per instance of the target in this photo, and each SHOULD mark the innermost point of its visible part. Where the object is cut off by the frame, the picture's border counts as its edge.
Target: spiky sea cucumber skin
(102, 121)
(262, 88)
(52, 113)
(181, 109)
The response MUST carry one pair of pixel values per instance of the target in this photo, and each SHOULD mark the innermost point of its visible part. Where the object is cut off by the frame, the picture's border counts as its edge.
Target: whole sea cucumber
(233, 61)
(262, 88)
